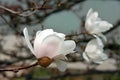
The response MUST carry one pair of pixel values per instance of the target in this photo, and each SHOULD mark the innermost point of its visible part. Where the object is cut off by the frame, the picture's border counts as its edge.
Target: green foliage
(40, 72)
(22, 78)
(116, 77)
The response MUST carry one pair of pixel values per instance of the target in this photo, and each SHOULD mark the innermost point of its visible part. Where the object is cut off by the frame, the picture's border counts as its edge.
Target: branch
(20, 68)
(30, 9)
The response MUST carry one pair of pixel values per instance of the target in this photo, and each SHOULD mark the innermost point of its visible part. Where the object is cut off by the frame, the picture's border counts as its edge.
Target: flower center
(45, 61)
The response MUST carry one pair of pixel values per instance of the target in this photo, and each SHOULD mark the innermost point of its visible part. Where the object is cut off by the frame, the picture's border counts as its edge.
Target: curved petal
(94, 24)
(90, 11)
(93, 16)
(60, 57)
(61, 65)
(49, 47)
(103, 37)
(45, 33)
(61, 35)
(94, 50)
(99, 41)
(85, 57)
(38, 32)
(101, 58)
(68, 47)
(91, 46)
(103, 25)
(99, 26)
(25, 32)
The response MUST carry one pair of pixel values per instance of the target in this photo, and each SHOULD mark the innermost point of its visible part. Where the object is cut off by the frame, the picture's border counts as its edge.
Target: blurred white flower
(94, 51)
(49, 46)
(94, 24)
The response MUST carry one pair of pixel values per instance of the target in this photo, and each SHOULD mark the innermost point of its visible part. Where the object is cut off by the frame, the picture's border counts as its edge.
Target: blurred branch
(17, 69)
(34, 9)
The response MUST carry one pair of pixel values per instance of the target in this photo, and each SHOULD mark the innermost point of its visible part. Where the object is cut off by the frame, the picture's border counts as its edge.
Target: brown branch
(43, 5)
(30, 9)
(17, 69)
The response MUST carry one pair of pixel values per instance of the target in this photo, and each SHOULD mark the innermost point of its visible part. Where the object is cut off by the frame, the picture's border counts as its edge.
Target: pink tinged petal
(49, 46)
(25, 32)
(47, 32)
(68, 47)
(61, 65)
(43, 34)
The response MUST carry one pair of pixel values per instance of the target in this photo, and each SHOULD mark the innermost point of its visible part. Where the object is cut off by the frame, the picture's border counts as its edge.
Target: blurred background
(65, 16)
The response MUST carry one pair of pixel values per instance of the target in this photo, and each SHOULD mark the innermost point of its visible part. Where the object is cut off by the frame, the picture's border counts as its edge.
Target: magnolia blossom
(50, 46)
(94, 51)
(94, 24)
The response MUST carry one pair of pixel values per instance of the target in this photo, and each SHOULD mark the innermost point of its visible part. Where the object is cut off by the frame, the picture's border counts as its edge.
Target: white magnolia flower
(94, 51)
(94, 24)
(49, 46)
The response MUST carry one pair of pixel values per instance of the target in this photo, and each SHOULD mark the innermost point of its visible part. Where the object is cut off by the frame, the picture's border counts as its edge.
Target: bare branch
(22, 13)
(20, 68)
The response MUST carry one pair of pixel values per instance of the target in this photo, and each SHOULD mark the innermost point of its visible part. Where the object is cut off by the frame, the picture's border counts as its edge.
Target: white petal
(49, 46)
(38, 32)
(102, 57)
(98, 62)
(98, 26)
(68, 47)
(85, 57)
(27, 40)
(99, 41)
(61, 65)
(90, 11)
(103, 25)
(61, 35)
(61, 57)
(92, 14)
(91, 46)
(43, 34)
(94, 24)
(94, 50)
(103, 37)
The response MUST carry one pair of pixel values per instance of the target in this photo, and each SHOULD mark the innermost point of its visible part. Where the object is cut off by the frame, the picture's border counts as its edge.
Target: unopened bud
(45, 61)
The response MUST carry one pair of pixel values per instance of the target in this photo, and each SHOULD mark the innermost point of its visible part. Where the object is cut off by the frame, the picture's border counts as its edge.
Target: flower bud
(45, 61)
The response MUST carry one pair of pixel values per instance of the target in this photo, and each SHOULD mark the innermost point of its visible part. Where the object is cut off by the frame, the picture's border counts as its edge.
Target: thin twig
(20, 68)
(23, 11)
(43, 5)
